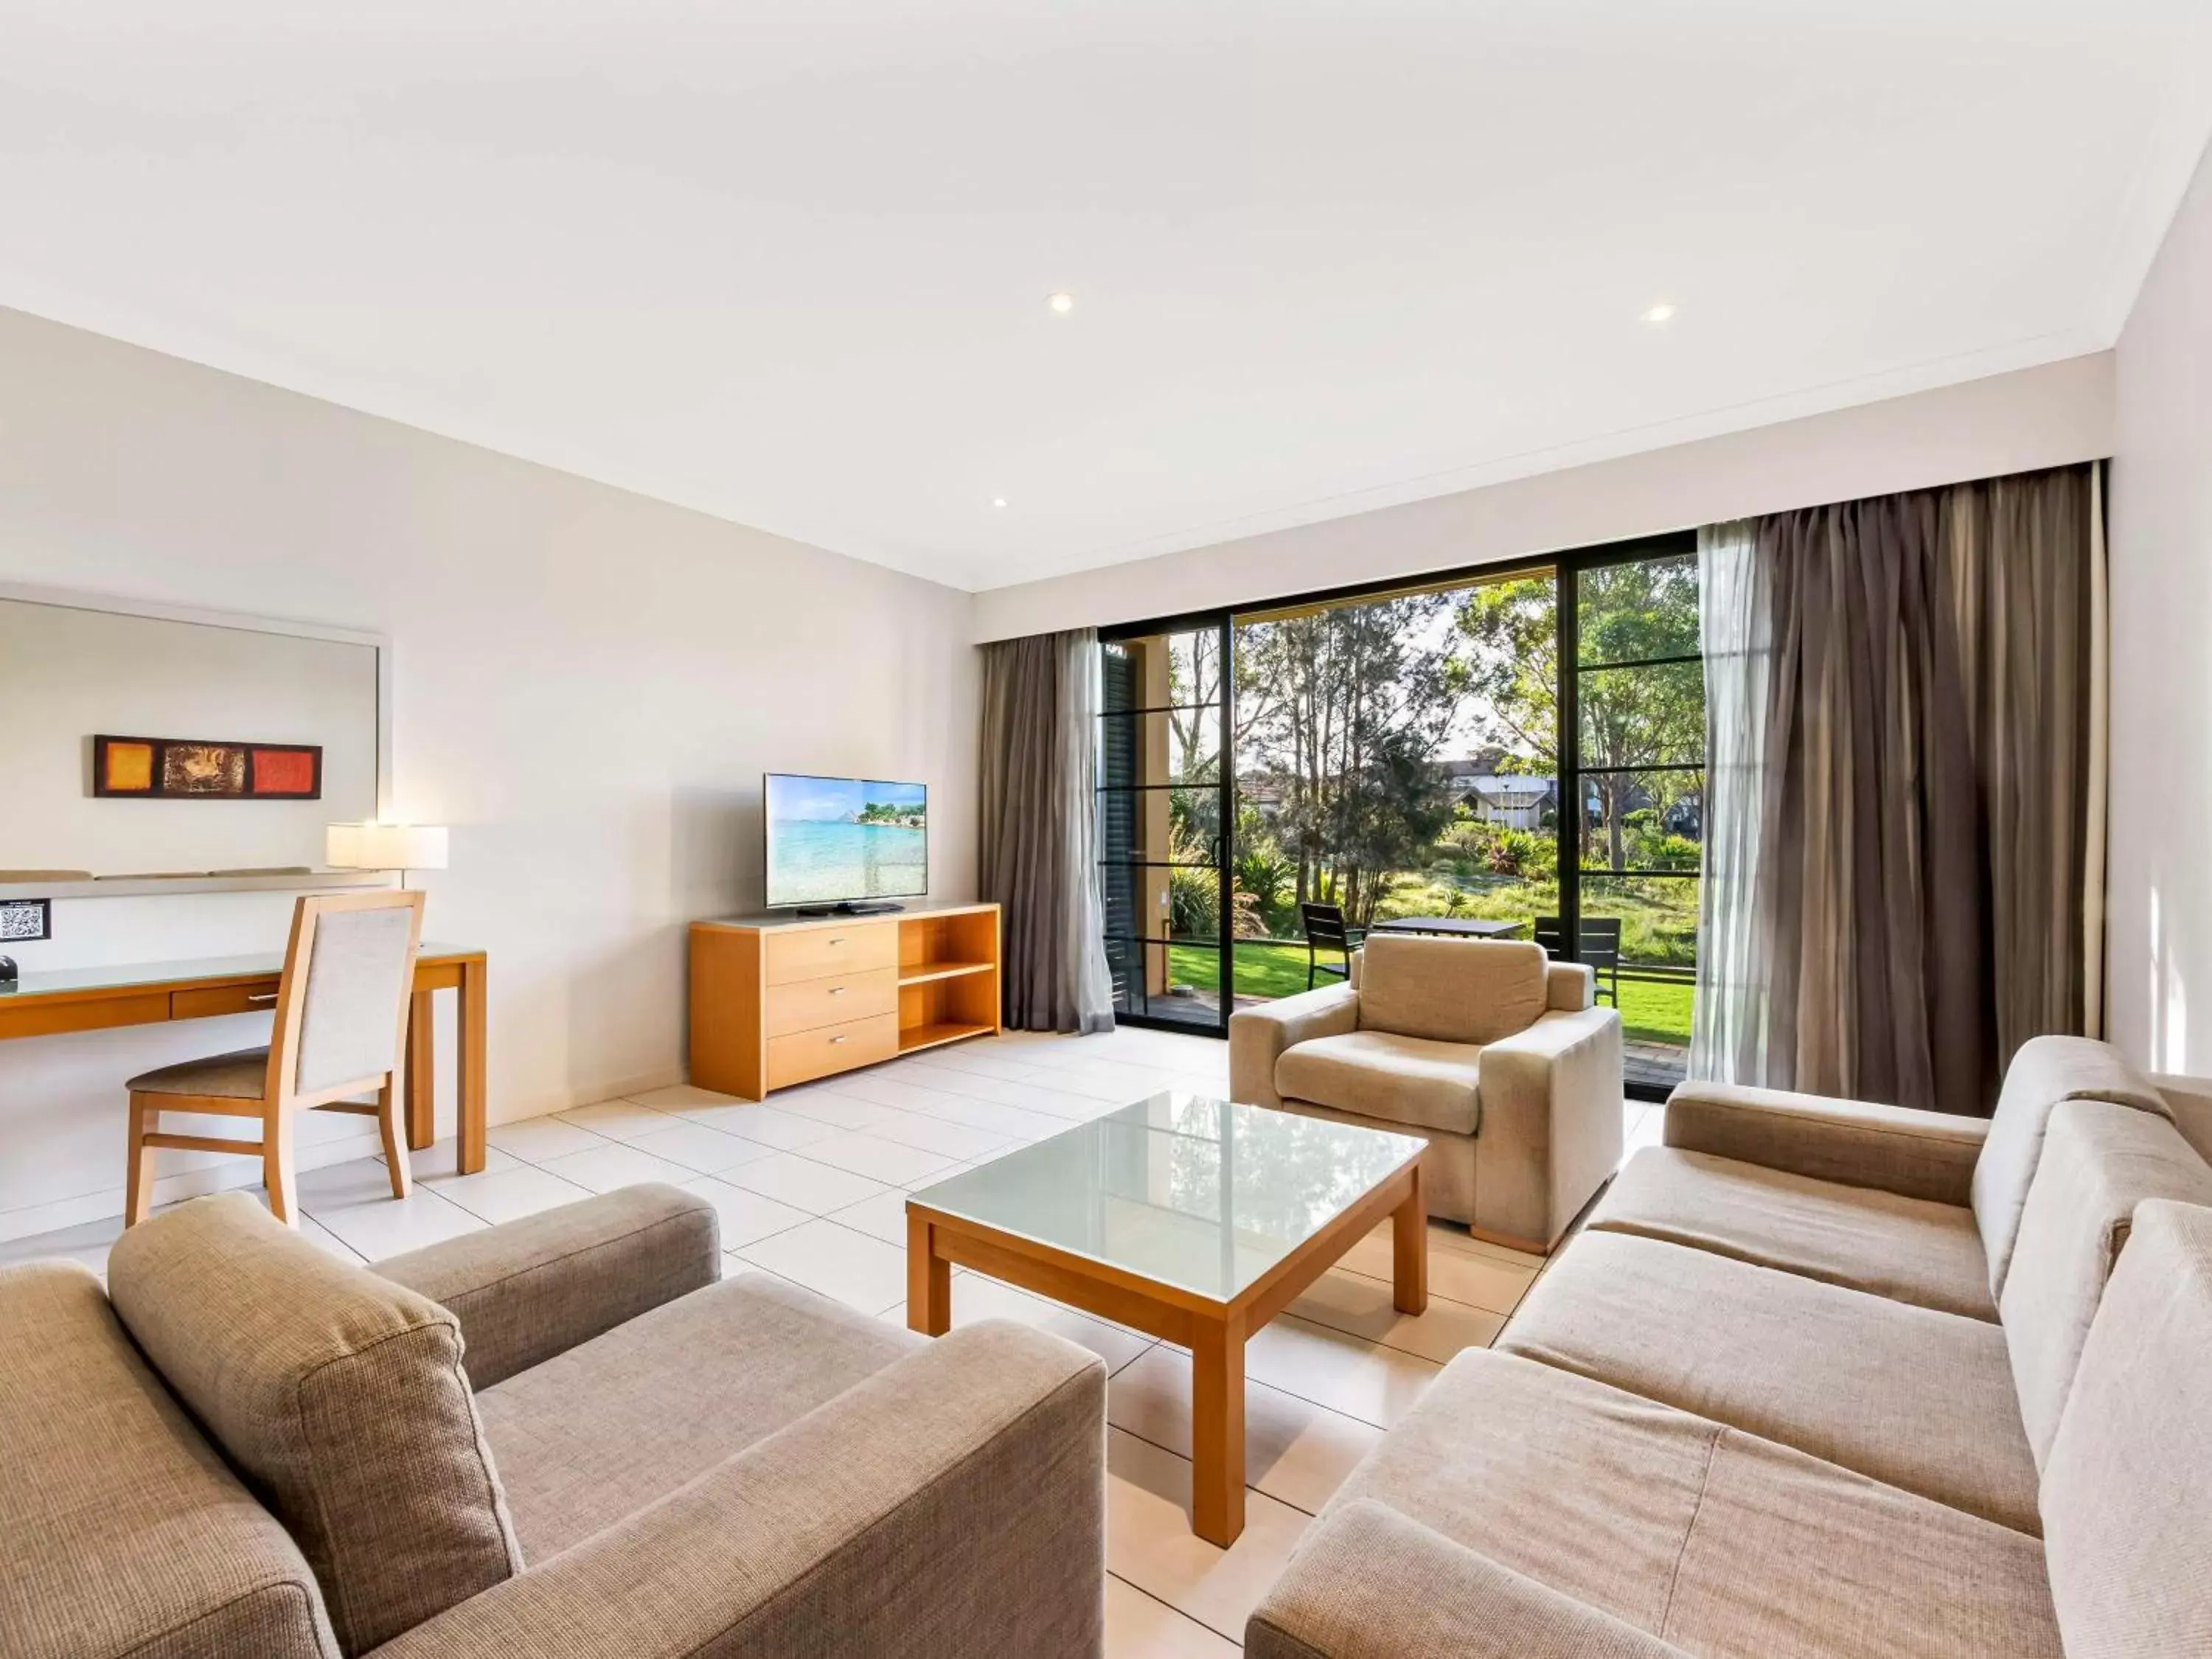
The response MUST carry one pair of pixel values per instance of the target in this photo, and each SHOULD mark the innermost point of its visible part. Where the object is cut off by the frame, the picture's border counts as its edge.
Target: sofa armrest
(1367, 1583)
(1897, 1149)
(1258, 1036)
(524, 1290)
(954, 1503)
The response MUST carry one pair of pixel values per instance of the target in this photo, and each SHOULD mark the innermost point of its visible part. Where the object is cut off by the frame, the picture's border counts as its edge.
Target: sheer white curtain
(1729, 1025)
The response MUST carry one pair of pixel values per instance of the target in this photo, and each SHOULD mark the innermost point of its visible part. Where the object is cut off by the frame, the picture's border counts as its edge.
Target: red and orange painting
(194, 768)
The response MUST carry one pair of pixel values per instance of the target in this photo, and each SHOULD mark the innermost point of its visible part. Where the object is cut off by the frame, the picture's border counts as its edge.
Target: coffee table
(1192, 1219)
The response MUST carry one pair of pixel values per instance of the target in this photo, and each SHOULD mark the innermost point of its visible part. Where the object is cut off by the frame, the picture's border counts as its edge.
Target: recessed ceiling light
(1659, 313)
(998, 501)
(1062, 303)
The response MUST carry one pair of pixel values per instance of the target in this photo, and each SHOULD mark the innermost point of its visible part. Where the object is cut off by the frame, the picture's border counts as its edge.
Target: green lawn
(1649, 1012)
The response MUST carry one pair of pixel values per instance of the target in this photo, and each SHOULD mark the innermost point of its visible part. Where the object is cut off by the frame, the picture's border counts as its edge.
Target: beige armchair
(567, 1434)
(1487, 1049)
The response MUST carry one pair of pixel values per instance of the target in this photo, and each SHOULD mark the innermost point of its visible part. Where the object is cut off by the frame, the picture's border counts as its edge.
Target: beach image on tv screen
(846, 838)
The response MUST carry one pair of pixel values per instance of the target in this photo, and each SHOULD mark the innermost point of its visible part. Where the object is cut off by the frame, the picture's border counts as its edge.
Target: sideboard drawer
(203, 1000)
(816, 952)
(833, 999)
(804, 1055)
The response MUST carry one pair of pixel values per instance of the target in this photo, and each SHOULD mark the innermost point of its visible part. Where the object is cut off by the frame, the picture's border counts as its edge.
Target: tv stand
(851, 908)
(779, 1000)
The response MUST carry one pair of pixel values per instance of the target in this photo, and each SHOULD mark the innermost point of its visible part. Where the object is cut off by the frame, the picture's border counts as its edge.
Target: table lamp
(401, 847)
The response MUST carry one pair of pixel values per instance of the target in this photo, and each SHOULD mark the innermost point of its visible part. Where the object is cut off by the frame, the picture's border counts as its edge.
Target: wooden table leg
(928, 1281)
(1216, 1464)
(471, 1065)
(421, 1071)
(1409, 1256)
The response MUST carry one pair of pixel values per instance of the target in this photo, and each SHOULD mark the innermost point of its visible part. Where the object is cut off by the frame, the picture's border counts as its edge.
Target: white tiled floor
(812, 1187)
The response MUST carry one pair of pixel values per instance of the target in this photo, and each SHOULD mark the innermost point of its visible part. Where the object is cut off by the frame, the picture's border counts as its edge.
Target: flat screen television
(845, 843)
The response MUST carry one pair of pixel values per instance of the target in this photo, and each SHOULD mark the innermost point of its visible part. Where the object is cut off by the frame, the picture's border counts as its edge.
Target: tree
(1352, 707)
(1630, 718)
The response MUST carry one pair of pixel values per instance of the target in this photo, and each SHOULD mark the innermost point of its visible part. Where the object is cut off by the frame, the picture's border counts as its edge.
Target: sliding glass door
(1163, 820)
(1637, 762)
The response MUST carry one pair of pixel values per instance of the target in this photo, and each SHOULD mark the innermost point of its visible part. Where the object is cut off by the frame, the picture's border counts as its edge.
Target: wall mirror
(75, 666)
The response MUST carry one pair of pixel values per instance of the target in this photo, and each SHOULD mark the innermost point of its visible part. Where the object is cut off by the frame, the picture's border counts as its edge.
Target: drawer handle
(261, 996)
(836, 941)
(836, 990)
(838, 1039)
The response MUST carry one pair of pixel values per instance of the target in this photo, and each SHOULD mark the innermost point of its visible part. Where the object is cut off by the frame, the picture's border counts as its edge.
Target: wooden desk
(153, 993)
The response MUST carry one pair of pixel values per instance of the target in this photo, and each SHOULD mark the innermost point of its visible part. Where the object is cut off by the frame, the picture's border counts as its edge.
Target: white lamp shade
(385, 846)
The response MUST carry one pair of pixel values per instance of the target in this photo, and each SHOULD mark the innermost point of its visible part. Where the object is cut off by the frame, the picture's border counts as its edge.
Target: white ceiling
(788, 263)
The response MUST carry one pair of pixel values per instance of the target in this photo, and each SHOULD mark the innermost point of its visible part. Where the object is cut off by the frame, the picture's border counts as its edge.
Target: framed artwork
(196, 768)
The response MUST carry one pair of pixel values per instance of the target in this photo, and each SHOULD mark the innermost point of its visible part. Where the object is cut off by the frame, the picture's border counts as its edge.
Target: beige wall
(588, 685)
(2159, 899)
(2045, 416)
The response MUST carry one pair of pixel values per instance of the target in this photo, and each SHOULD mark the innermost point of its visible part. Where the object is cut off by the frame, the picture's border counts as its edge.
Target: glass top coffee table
(1193, 1220)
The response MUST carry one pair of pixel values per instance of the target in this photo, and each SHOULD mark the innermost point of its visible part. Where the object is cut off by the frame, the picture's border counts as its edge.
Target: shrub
(1263, 873)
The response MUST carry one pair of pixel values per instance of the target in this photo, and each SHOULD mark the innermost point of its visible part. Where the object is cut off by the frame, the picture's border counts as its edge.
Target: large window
(1401, 755)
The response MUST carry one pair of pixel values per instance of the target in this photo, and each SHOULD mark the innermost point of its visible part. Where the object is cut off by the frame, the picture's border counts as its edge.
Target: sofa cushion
(1450, 990)
(1914, 1398)
(1910, 1249)
(2099, 1162)
(342, 1398)
(120, 1527)
(1377, 1074)
(2045, 1070)
(1726, 1545)
(600, 1431)
(2127, 1490)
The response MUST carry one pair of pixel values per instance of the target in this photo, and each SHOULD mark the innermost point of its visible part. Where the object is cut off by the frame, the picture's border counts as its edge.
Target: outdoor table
(1450, 926)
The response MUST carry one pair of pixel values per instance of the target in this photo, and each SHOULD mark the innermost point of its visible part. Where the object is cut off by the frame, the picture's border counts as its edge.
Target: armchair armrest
(1897, 1149)
(1368, 1582)
(1551, 1128)
(954, 1503)
(1258, 1036)
(524, 1290)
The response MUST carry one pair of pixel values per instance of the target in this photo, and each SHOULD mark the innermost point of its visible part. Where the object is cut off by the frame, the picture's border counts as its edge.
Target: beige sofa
(251, 1450)
(1819, 1378)
(1488, 1050)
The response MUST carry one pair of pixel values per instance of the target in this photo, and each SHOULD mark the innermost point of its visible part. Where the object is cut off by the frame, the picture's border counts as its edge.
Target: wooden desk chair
(341, 1018)
(1325, 931)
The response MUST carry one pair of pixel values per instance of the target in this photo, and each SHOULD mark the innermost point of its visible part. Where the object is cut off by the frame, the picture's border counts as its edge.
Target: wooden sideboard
(778, 1001)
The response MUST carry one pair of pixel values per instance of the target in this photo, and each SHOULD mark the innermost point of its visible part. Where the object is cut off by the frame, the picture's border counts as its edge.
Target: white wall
(2160, 896)
(2036, 417)
(588, 686)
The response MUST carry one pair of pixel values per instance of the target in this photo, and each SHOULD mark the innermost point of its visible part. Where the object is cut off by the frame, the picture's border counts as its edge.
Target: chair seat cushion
(604, 1429)
(1380, 1074)
(241, 1074)
(1728, 1545)
(1916, 1399)
(1910, 1249)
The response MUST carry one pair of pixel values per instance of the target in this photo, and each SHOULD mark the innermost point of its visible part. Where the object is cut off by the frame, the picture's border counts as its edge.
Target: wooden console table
(152, 992)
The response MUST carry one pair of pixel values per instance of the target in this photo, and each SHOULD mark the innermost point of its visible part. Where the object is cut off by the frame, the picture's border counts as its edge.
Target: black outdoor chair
(1325, 931)
(1599, 952)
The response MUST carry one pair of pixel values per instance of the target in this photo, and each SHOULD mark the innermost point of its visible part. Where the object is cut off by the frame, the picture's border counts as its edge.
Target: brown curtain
(1918, 867)
(1037, 843)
